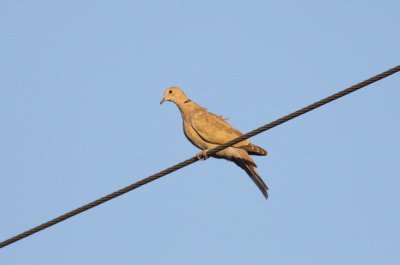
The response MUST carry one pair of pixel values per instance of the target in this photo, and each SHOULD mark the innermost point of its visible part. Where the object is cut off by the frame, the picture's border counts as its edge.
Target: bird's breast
(193, 137)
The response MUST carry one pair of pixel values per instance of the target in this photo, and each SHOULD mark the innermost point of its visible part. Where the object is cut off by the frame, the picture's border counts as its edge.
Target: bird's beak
(162, 101)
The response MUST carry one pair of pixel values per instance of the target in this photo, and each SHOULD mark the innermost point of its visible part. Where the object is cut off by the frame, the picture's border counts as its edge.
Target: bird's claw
(202, 155)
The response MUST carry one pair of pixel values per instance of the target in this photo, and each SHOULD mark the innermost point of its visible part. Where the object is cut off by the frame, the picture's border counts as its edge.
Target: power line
(195, 158)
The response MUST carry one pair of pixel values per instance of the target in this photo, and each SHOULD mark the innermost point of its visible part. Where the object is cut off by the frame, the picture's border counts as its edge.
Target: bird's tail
(250, 168)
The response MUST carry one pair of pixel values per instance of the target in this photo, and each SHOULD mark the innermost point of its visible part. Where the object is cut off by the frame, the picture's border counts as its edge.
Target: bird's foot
(202, 155)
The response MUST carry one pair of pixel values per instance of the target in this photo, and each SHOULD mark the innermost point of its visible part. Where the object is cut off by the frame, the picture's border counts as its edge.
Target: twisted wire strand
(196, 158)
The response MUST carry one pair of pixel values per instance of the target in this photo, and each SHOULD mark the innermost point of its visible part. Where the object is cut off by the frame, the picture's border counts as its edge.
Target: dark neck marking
(187, 100)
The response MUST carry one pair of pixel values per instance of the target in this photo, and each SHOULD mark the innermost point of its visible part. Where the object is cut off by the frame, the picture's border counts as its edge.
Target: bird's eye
(170, 91)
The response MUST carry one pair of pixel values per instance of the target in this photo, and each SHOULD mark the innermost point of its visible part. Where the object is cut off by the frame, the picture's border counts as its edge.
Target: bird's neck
(187, 106)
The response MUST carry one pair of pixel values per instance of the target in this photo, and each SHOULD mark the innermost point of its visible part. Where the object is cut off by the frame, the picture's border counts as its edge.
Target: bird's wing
(214, 129)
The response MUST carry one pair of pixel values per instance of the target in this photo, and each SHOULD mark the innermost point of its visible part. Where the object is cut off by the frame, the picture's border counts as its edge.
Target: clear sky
(80, 117)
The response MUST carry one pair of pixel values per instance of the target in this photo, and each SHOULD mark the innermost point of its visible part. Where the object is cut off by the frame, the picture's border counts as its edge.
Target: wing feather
(216, 130)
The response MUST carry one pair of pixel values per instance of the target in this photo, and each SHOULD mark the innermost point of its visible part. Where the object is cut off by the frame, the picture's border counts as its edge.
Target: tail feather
(249, 167)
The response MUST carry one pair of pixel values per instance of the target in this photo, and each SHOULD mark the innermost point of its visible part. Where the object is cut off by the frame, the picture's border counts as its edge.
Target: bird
(206, 130)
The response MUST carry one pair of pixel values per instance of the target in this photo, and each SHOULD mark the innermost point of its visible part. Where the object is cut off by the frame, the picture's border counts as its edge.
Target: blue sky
(80, 117)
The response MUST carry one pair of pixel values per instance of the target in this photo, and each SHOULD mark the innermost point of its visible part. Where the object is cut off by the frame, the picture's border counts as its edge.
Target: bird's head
(174, 94)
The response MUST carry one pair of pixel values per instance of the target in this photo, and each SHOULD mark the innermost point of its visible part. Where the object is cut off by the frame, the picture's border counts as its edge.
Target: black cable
(195, 158)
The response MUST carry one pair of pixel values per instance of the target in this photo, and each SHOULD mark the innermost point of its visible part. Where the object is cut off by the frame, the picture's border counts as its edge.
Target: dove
(206, 130)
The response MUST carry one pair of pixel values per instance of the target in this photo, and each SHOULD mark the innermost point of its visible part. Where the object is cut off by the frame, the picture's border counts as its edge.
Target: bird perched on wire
(206, 130)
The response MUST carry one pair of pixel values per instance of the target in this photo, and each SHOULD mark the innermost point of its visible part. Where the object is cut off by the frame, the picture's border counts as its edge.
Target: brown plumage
(207, 130)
